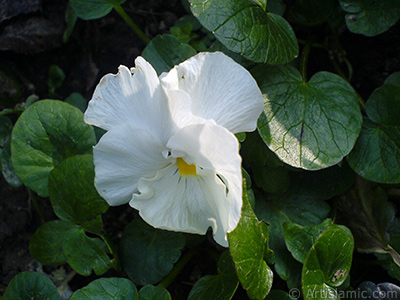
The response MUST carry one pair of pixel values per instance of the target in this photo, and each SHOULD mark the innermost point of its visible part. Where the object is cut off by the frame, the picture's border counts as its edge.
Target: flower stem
(304, 60)
(177, 268)
(130, 22)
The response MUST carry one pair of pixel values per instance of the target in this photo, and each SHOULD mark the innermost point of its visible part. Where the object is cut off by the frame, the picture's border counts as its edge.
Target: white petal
(184, 203)
(123, 156)
(213, 147)
(137, 99)
(220, 89)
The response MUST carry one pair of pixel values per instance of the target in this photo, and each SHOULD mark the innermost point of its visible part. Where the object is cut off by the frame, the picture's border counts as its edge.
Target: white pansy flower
(170, 149)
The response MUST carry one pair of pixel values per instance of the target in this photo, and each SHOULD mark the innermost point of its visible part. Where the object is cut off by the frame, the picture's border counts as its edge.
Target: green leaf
(217, 287)
(155, 253)
(165, 51)
(283, 208)
(107, 289)
(244, 27)
(376, 155)
(84, 253)
(150, 292)
(46, 244)
(70, 19)
(7, 168)
(47, 132)
(311, 12)
(281, 295)
(57, 242)
(365, 209)
(32, 286)
(370, 17)
(393, 78)
(299, 239)
(248, 244)
(310, 125)
(5, 130)
(56, 77)
(77, 100)
(93, 9)
(327, 264)
(72, 193)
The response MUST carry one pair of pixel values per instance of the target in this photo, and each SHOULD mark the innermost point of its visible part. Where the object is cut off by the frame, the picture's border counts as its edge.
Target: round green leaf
(370, 17)
(72, 192)
(46, 245)
(165, 51)
(107, 289)
(32, 286)
(93, 9)
(383, 106)
(376, 155)
(393, 78)
(150, 292)
(217, 287)
(244, 27)
(248, 244)
(327, 264)
(310, 125)
(47, 132)
(77, 100)
(155, 253)
(84, 253)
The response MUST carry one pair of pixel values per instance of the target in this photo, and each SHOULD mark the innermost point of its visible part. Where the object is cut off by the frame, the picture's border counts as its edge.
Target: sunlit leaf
(310, 125)
(47, 132)
(155, 252)
(244, 27)
(248, 245)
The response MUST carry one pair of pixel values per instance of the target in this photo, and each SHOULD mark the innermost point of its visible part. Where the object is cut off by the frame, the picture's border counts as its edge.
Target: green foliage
(57, 242)
(48, 132)
(370, 17)
(165, 51)
(107, 289)
(32, 286)
(327, 264)
(72, 192)
(217, 287)
(298, 186)
(244, 27)
(93, 9)
(377, 151)
(310, 125)
(155, 252)
(248, 245)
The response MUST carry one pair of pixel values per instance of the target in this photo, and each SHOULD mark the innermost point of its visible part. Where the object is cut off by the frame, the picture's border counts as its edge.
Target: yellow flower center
(184, 168)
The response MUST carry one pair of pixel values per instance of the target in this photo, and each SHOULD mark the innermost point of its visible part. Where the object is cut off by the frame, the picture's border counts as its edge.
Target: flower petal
(213, 147)
(184, 203)
(123, 156)
(220, 89)
(137, 99)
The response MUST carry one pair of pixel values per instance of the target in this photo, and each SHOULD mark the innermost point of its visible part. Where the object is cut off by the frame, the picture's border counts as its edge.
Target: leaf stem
(130, 22)
(116, 262)
(304, 60)
(177, 268)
